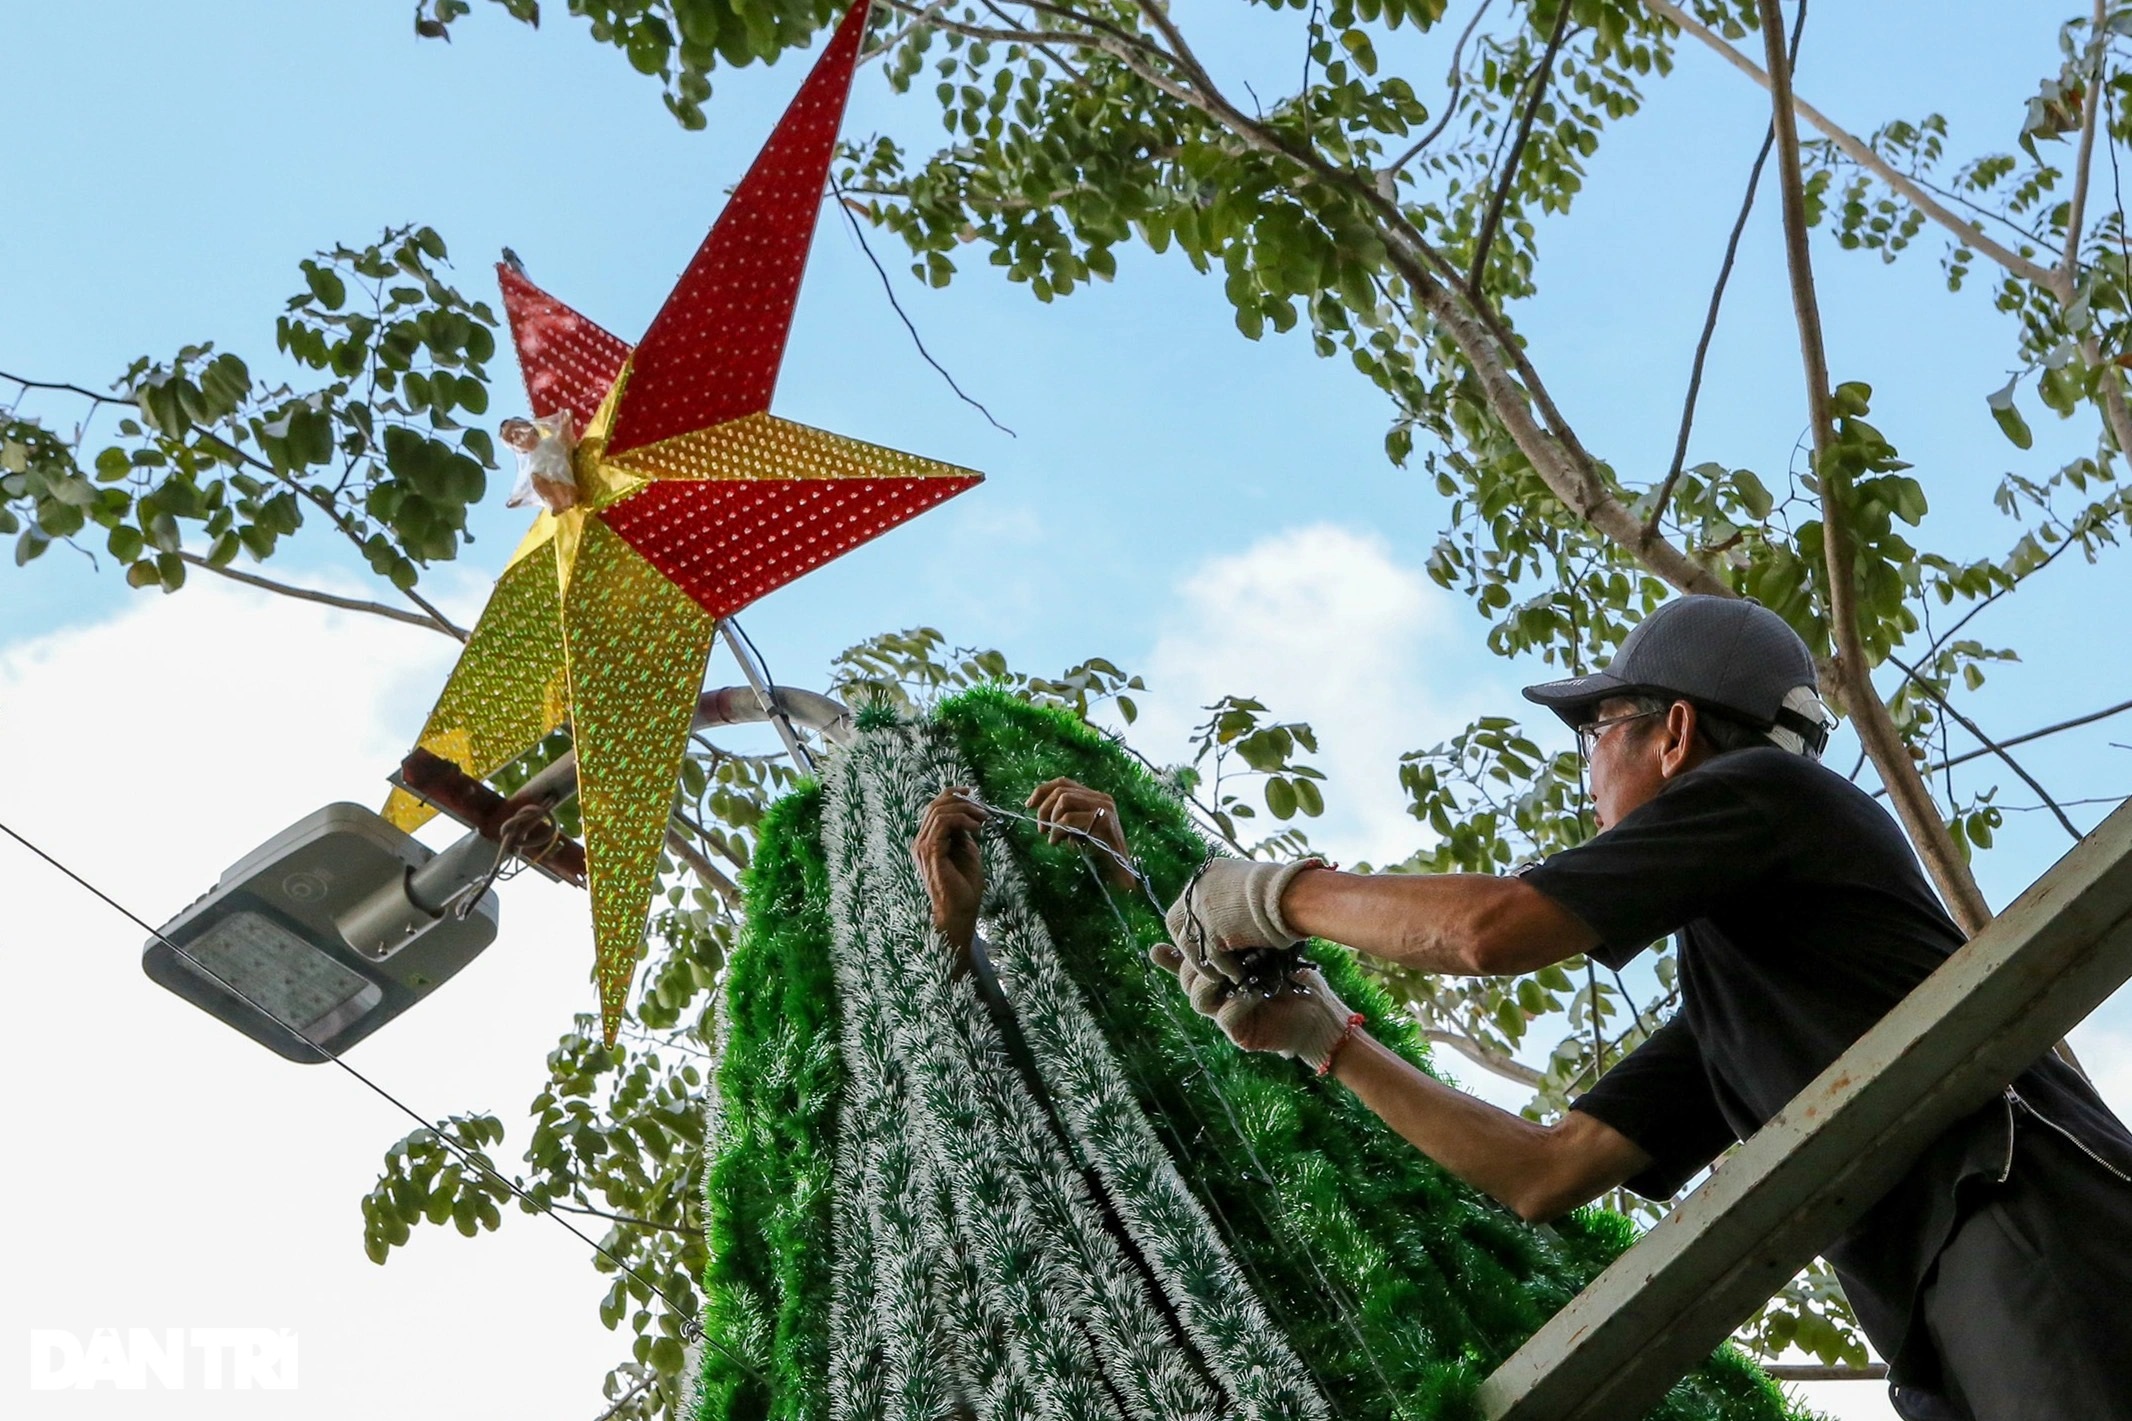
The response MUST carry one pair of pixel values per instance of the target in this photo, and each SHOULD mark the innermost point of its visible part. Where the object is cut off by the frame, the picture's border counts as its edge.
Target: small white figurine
(544, 470)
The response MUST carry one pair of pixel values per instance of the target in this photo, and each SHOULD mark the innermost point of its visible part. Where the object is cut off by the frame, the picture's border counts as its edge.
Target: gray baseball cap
(1724, 653)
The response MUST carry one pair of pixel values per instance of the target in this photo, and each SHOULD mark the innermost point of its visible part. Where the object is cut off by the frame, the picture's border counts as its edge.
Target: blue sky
(194, 166)
(1215, 513)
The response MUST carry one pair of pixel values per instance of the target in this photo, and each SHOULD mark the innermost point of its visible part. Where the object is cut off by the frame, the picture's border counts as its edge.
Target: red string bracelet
(1347, 1034)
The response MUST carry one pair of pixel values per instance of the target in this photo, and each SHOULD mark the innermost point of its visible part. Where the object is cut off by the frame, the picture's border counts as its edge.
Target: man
(1996, 1277)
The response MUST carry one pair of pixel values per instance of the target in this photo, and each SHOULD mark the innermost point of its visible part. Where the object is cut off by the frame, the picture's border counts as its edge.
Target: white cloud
(1322, 624)
(166, 1172)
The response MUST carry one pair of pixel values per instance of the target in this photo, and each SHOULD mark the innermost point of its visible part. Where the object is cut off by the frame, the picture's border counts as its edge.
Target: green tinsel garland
(768, 1190)
(1396, 1285)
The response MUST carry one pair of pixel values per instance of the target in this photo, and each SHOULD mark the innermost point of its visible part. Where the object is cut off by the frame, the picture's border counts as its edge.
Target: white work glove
(1299, 1018)
(1232, 907)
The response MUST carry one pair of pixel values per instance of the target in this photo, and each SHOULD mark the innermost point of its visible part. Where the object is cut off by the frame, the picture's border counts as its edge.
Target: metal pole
(758, 683)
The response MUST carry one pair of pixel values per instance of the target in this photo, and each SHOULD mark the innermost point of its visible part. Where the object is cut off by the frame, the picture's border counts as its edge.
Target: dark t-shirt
(1803, 918)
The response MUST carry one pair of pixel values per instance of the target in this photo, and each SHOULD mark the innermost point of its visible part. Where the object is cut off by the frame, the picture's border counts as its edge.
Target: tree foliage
(1391, 217)
(369, 432)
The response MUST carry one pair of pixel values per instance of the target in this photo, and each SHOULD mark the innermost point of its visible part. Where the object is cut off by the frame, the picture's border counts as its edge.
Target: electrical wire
(802, 761)
(690, 1327)
(769, 679)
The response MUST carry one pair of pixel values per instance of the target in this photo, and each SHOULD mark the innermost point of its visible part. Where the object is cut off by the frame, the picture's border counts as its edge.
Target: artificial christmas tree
(1097, 1208)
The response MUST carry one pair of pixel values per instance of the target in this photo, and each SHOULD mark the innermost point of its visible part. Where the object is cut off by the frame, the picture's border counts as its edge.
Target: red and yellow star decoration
(694, 500)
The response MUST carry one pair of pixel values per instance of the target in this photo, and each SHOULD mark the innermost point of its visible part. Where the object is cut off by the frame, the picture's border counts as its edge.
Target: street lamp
(342, 921)
(327, 931)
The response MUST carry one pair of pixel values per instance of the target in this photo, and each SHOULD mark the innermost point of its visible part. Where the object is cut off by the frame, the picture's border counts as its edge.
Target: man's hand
(1234, 906)
(949, 865)
(1301, 1017)
(1061, 805)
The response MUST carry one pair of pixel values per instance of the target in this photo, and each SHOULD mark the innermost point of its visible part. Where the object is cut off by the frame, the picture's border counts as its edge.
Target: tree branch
(678, 844)
(924, 17)
(1717, 300)
(1876, 728)
(2058, 729)
(682, 1229)
(1818, 1372)
(1456, 79)
(245, 457)
(1948, 635)
(1501, 195)
(334, 516)
(1046, 50)
(63, 387)
(2090, 111)
(1987, 742)
(643, 1384)
(1981, 213)
(1158, 15)
(1862, 153)
(2060, 282)
(1507, 1067)
(1557, 456)
(932, 15)
(306, 594)
(1567, 471)
(2088, 799)
(2109, 383)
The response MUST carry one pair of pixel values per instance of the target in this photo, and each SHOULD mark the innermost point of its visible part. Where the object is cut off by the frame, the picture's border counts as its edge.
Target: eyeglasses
(1588, 733)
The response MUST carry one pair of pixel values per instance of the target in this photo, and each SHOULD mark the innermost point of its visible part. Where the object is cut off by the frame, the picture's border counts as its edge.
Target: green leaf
(1281, 798)
(2009, 417)
(1357, 44)
(1308, 797)
(1851, 400)
(325, 285)
(74, 492)
(1753, 496)
(2014, 427)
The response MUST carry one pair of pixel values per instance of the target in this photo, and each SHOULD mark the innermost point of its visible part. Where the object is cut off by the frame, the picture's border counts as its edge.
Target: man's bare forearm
(1537, 1171)
(1467, 923)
